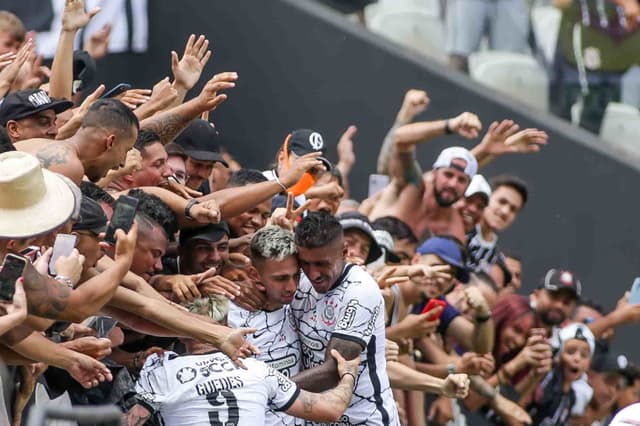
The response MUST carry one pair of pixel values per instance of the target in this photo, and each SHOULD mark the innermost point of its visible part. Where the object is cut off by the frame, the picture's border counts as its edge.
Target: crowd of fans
(245, 297)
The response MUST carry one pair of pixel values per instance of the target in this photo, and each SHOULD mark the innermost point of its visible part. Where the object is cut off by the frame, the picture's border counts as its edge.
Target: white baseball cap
(447, 156)
(577, 331)
(478, 185)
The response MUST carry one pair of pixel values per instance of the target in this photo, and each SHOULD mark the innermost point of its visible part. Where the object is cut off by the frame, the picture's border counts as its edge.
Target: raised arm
(405, 378)
(479, 335)
(14, 312)
(414, 103)
(170, 123)
(187, 70)
(503, 138)
(74, 18)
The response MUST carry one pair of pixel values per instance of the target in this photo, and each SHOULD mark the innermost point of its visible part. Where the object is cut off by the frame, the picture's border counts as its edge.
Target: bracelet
(187, 209)
(64, 280)
(447, 129)
(348, 373)
(279, 182)
(451, 368)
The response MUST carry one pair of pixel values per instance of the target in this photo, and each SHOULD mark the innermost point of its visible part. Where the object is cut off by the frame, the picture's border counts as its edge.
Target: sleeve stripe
(293, 398)
(350, 338)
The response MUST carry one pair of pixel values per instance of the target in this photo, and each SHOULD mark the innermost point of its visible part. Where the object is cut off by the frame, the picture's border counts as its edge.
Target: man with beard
(424, 201)
(108, 131)
(247, 223)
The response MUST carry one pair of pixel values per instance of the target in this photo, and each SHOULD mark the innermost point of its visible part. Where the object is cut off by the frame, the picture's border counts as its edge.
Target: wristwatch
(187, 209)
(451, 368)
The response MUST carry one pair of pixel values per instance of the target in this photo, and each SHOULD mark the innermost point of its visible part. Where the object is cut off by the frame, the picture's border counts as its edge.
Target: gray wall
(300, 65)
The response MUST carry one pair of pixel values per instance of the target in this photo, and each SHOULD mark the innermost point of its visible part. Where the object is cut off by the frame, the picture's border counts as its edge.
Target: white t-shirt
(628, 416)
(211, 390)
(277, 339)
(353, 310)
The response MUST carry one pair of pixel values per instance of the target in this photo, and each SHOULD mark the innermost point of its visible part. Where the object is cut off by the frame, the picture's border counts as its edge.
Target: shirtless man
(424, 201)
(108, 131)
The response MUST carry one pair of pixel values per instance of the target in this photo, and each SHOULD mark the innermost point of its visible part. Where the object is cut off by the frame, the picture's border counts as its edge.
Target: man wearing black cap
(30, 114)
(556, 298)
(201, 144)
(91, 223)
(299, 143)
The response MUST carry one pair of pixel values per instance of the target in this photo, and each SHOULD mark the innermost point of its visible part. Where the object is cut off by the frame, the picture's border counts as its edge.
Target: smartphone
(12, 269)
(64, 245)
(103, 325)
(634, 297)
(377, 183)
(122, 218)
(431, 305)
(120, 88)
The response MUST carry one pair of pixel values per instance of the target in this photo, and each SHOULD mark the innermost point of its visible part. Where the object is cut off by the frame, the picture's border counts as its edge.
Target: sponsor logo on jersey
(186, 374)
(372, 322)
(283, 383)
(313, 344)
(349, 314)
(283, 364)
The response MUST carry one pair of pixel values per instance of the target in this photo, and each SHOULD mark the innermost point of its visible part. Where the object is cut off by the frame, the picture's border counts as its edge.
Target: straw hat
(33, 200)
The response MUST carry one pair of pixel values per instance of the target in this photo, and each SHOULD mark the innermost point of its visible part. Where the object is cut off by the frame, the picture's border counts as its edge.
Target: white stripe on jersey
(277, 339)
(353, 310)
(210, 389)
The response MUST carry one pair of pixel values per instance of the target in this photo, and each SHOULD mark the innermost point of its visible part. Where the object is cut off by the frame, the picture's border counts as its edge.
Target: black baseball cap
(608, 362)
(92, 217)
(355, 220)
(212, 233)
(84, 70)
(306, 141)
(173, 148)
(562, 279)
(25, 103)
(201, 141)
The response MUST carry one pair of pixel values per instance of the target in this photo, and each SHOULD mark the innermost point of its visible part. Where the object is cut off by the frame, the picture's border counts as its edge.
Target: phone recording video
(12, 269)
(122, 218)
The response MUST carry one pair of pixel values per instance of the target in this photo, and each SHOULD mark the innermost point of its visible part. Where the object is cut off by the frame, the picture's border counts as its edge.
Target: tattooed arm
(170, 123)
(328, 406)
(136, 416)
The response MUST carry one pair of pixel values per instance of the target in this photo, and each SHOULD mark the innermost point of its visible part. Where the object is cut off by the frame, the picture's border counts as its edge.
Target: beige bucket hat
(33, 200)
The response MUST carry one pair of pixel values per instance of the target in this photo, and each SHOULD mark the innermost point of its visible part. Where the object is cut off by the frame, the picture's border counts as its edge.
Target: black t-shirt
(551, 406)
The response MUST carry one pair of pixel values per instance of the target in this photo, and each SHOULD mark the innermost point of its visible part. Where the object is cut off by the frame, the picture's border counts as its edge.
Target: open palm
(75, 16)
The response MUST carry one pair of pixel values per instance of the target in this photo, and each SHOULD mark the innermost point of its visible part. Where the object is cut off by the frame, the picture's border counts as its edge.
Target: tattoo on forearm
(137, 416)
(45, 298)
(342, 393)
(167, 125)
(411, 172)
(54, 154)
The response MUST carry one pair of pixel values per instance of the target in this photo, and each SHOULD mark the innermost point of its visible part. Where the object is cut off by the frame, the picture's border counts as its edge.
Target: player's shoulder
(357, 279)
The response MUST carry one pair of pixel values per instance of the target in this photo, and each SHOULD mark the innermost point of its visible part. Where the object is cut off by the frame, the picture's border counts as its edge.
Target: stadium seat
(518, 75)
(621, 125)
(545, 22)
(419, 28)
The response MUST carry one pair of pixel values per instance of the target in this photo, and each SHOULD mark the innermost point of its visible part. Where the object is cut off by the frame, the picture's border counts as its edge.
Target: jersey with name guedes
(277, 339)
(352, 310)
(198, 390)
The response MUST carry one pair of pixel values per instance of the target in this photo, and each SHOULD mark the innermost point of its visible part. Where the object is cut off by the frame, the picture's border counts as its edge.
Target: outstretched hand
(188, 69)
(236, 347)
(75, 17)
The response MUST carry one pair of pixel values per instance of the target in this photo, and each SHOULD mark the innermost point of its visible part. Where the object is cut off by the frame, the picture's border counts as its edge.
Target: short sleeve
(152, 386)
(281, 390)
(361, 308)
(449, 313)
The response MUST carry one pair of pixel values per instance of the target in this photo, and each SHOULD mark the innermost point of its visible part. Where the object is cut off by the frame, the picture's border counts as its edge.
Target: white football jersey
(277, 339)
(352, 310)
(211, 390)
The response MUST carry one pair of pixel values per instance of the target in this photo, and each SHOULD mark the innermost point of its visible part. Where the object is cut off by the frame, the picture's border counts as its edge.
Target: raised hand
(70, 266)
(210, 284)
(391, 350)
(133, 98)
(525, 141)
(11, 63)
(133, 162)
(18, 305)
(475, 364)
(98, 44)
(430, 272)
(188, 69)
(346, 156)
(74, 16)
(180, 189)
(414, 103)
(420, 325)
(386, 278)
(236, 347)
(89, 345)
(300, 166)
(287, 217)
(126, 243)
(88, 371)
(467, 125)
(456, 386)
(209, 98)
(476, 301)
